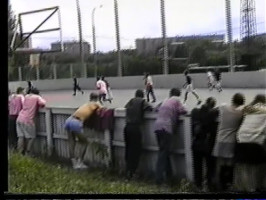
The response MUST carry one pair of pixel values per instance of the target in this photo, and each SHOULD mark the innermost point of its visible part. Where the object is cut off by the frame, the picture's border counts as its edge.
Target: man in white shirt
(149, 88)
(211, 84)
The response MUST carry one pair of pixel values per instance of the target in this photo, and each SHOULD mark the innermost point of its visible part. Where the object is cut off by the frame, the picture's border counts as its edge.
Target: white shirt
(149, 81)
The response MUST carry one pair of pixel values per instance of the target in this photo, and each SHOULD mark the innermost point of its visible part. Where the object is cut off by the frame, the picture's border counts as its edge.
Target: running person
(76, 86)
(218, 80)
(189, 88)
(210, 76)
(149, 88)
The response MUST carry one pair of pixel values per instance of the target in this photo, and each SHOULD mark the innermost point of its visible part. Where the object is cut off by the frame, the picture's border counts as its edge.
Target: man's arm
(147, 106)
(41, 101)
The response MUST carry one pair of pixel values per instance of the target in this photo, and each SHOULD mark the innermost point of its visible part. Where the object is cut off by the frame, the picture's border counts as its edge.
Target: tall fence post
(37, 73)
(71, 70)
(19, 74)
(54, 71)
(188, 151)
(48, 123)
(85, 70)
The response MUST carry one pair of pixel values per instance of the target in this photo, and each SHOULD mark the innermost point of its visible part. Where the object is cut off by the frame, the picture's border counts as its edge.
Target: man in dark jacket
(134, 117)
(204, 129)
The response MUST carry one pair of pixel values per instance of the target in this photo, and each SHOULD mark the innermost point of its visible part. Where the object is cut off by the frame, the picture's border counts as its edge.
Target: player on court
(189, 88)
(210, 76)
(76, 86)
(102, 90)
(218, 80)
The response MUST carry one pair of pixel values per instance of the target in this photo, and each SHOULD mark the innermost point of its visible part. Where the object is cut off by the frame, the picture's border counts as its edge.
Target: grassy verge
(32, 175)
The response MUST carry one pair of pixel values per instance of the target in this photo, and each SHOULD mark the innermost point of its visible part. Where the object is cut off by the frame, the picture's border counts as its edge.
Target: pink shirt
(15, 104)
(101, 86)
(31, 104)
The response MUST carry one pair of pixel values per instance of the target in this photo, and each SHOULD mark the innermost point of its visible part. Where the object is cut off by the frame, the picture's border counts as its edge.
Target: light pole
(80, 35)
(119, 70)
(165, 54)
(94, 41)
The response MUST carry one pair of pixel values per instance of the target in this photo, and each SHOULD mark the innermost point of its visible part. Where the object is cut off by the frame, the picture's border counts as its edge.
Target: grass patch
(32, 175)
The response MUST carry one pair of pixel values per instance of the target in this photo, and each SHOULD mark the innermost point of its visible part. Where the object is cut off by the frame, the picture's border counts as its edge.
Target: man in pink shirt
(14, 107)
(102, 90)
(26, 129)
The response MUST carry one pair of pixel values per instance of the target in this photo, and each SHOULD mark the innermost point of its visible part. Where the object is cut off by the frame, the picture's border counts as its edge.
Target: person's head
(238, 99)
(98, 78)
(20, 90)
(175, 92)
(139, 93)
(186, 73)
(147, 74)
(210, 102)
(259, 98)
(94, 96)
(35, 91)
(103, 78)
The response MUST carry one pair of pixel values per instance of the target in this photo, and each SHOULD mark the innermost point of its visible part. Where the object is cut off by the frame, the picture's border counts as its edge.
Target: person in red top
(15, 105)
(25, 125)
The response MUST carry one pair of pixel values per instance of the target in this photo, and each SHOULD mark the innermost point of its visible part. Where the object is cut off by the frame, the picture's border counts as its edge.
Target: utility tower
(248, 29)
(248, 26)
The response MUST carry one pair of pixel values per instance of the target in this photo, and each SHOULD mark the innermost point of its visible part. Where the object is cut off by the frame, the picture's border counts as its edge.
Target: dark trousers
(163, 162)
(149, 91)
(198, 159)
(12, 132)
(132, 135)
(76, 87)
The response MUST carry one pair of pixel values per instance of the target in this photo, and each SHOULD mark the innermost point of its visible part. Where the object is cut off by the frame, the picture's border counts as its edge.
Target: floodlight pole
(94, 41)
(119, 69)
(165, 48)
(80, 36)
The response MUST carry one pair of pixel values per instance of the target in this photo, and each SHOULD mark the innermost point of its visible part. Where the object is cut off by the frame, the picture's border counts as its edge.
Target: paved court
(65, 99)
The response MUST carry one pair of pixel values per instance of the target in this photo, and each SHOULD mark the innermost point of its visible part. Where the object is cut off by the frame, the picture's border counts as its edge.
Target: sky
(137, 19)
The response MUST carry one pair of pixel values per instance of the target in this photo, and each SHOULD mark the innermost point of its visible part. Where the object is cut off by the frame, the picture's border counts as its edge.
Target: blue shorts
(74, 125)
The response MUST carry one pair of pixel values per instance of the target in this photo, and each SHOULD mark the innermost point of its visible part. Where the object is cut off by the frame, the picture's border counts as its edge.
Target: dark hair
(98, 78)
(94, 96)
(211, 102)
(238, 99)
(175, 92)
(103, 77)
(259, 98)
(19, 90)
(29, 83)
(34, 91)
(186, 72)
(139, 93)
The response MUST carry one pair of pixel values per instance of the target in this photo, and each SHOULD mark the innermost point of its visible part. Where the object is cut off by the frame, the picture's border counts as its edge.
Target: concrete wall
(255, 79)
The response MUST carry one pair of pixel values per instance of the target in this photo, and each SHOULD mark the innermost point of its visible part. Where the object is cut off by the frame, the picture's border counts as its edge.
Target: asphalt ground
(65, 98)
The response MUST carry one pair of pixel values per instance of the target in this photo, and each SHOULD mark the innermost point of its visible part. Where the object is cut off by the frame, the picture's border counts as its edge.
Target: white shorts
(26, 130)
(189, 88)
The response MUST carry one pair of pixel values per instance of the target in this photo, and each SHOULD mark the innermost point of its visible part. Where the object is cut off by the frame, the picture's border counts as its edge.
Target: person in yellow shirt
(75, 131)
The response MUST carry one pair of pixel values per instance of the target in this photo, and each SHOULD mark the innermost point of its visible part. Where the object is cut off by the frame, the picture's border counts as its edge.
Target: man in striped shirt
(26, 129)
(15, 105)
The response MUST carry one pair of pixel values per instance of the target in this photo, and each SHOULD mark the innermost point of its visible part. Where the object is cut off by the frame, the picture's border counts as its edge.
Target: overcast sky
(137, 19)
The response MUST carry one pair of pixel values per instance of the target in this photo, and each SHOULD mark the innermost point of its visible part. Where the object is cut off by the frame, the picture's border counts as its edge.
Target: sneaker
(74, 163)
(74, 94)
(81, 165)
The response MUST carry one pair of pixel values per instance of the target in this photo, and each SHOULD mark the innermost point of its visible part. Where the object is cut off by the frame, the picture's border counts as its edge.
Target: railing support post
(188, 151)
(48, 123)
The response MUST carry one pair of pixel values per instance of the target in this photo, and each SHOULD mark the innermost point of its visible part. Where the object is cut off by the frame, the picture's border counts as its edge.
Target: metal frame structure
(18, 49)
